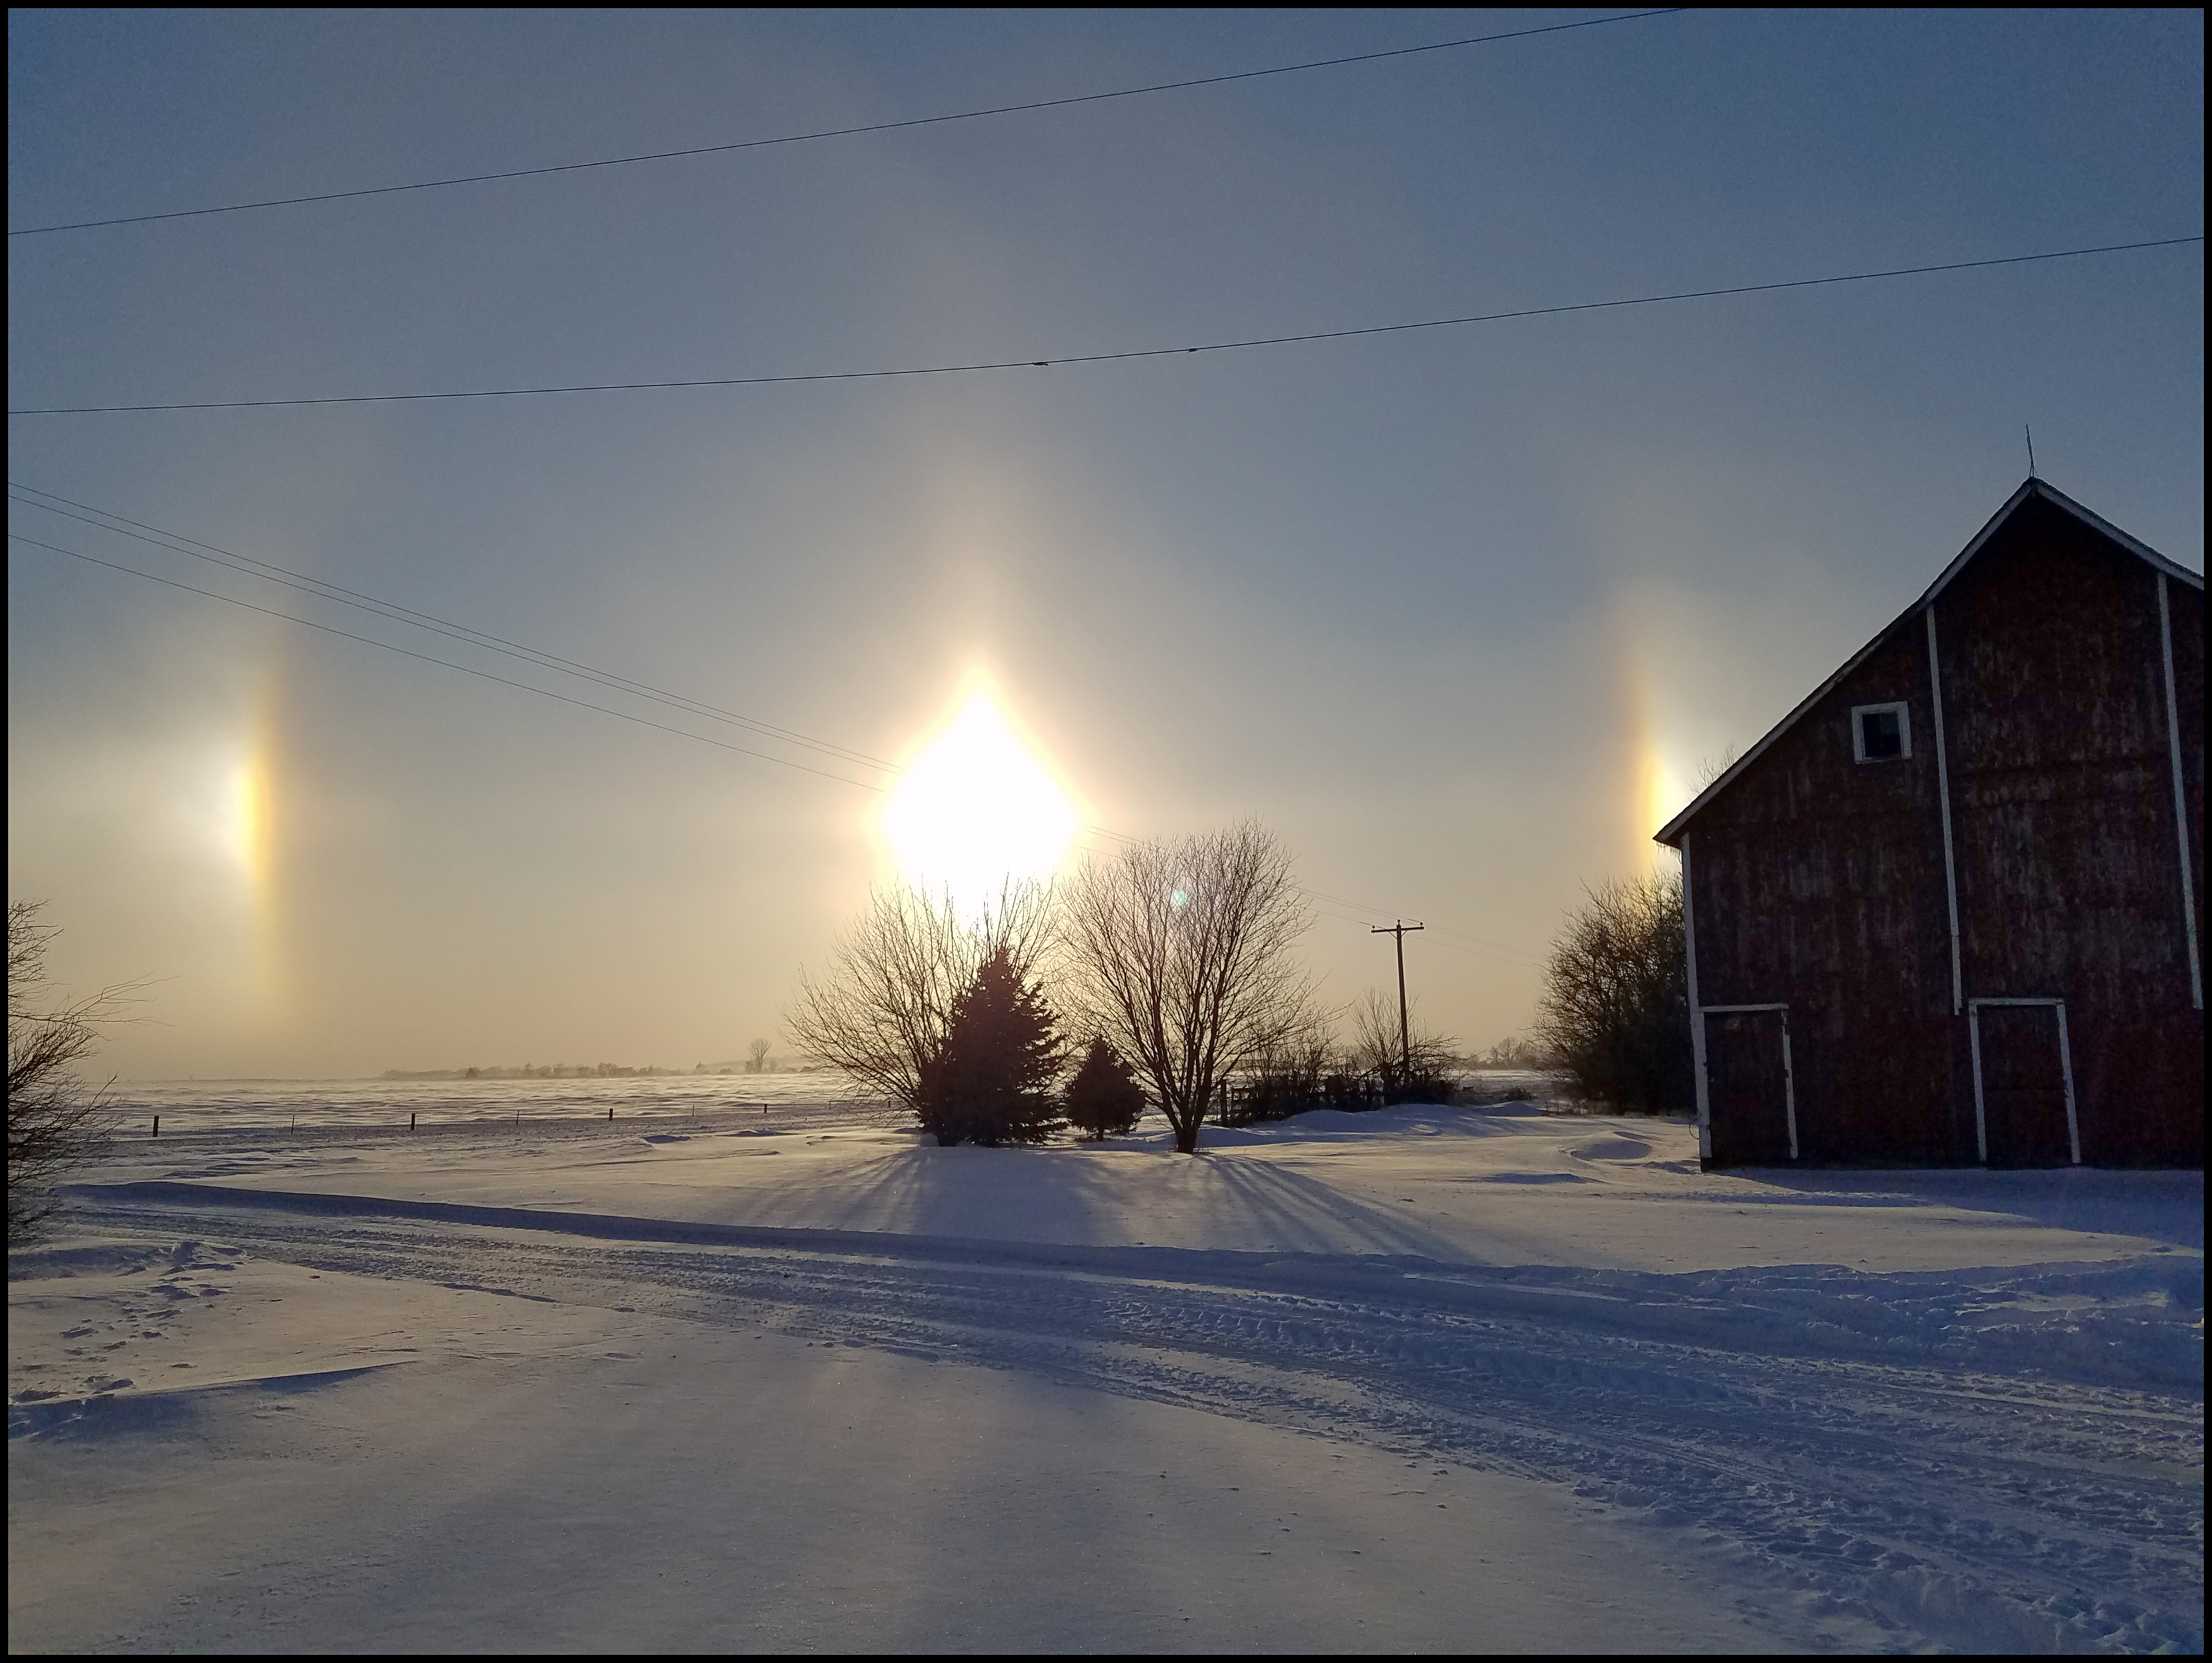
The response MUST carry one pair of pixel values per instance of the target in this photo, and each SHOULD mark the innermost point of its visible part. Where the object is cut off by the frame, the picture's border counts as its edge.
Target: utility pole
(1404, 1036)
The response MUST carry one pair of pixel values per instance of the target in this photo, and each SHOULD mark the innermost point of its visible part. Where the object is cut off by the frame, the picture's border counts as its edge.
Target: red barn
(1950, 909)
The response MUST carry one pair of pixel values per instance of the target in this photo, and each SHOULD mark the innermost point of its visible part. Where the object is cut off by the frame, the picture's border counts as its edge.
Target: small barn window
(1881, 733)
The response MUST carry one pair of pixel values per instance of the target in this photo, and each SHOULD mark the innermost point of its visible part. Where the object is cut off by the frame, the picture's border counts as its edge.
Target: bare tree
(1424, 1065)
(55, 1119)
(884, 1010)
(1614, 1012)
(1182, 953)
(1514, 1050)
(757, 1057)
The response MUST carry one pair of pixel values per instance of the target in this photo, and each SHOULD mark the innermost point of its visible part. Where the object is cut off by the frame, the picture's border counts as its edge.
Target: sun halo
(976, 809)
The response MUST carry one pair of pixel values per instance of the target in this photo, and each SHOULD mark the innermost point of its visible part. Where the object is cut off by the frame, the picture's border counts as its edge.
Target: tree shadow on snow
(1070, 1194)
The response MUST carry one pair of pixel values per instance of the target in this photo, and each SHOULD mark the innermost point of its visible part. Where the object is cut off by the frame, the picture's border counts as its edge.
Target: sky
(1457, 613)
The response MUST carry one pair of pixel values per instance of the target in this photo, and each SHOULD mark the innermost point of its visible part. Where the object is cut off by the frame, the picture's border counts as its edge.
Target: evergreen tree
(1104, 1099)
(991, 1081)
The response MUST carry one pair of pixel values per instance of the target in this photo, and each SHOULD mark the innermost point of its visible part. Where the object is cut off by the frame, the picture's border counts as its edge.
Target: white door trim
(1943, 799)
(1697, 1017)
(2180, 799)
(2065, 1070)
(1789, 1074)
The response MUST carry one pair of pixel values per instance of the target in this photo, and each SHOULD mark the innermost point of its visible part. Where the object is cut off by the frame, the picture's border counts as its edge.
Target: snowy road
(1985, 1459)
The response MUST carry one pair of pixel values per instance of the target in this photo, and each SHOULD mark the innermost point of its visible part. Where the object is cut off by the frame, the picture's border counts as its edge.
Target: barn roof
(2034, 490)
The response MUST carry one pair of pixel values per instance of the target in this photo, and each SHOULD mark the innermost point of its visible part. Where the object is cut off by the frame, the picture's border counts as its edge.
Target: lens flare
(976, 809)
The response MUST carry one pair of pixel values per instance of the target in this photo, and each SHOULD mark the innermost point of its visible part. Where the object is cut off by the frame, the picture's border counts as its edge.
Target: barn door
(1748, 1090)
(2023, 1093)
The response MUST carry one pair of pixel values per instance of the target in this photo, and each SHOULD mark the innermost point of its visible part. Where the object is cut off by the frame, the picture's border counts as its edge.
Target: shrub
(1403, 1067)
(55, 1120)
(1616, 1008)
(1104, 1099)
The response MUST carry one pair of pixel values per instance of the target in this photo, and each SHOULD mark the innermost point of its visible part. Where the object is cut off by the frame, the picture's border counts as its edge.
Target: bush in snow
(992, 1082)
(1407, 1065)
(1300, 1069)
(55, 1120)
(1616, 1008)
(1104, 1099)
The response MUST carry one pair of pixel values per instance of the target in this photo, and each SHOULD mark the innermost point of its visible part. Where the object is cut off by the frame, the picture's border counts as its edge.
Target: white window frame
(1903, 710)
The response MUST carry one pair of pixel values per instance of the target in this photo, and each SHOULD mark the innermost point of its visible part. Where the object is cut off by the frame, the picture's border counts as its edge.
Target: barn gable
(1948, 909)
(2034, 491)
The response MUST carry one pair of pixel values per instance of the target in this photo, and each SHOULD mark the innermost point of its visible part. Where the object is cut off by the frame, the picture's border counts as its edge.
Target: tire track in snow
(1972, 1508)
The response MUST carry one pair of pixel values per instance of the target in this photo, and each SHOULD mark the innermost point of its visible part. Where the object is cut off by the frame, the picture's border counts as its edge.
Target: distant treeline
(602, 1070)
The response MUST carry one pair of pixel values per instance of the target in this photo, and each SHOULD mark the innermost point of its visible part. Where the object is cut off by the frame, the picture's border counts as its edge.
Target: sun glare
(976, 809)
(248, 830)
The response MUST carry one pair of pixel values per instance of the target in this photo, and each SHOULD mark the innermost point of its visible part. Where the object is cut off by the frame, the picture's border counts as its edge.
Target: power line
(1494, 947)
(468, 636)
(842, 132)
(424, 658)
(1246, 345)
(175, 543)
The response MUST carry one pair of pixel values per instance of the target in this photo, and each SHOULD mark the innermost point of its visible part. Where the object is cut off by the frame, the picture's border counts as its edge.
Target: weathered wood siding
(2061, 793)
(1817, 882)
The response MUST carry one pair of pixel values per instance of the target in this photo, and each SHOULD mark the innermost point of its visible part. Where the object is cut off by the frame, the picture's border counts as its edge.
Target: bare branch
(1614, 1012)
(1182, 951)
(55, 1119)
(884, 1008)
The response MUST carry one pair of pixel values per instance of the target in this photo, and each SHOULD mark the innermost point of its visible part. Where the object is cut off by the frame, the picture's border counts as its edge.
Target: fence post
(157, 1125)
(411, 1122)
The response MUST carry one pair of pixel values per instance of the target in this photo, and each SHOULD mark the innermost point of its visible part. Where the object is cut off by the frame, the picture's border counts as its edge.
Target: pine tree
(992, 1082)
(1104, 1099)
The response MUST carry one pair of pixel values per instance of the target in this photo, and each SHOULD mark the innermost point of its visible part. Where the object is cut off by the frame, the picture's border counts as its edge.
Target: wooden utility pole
(1405, 1035)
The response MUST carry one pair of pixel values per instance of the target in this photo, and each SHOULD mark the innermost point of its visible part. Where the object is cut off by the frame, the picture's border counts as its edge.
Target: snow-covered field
(1426, 1379)
(196, 1106)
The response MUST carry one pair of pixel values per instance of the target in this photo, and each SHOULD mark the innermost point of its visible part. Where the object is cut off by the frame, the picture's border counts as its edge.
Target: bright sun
(976, 809)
